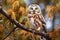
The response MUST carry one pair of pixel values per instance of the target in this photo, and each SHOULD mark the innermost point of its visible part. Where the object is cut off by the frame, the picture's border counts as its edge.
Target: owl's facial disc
(34, 9)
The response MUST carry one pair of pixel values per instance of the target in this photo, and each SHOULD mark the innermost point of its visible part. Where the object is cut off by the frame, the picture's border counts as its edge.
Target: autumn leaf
(22, 10)
(12, 13)
(50, 10)
(10, 1)
(15, 5)
(2, 27)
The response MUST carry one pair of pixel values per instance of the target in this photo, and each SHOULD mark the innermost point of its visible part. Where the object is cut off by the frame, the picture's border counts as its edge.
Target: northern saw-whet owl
(36, 18)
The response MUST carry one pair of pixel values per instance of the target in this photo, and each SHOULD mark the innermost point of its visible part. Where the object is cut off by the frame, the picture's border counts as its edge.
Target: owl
(36, 18)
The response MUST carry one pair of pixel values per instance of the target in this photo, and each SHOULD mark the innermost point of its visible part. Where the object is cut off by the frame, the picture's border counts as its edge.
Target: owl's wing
(42, 19)
(43, 22)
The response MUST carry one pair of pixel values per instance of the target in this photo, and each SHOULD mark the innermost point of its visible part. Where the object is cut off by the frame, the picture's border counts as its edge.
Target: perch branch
(19, 25)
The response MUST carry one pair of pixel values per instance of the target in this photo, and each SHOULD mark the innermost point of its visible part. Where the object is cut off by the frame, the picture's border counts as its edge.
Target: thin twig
(9, 33)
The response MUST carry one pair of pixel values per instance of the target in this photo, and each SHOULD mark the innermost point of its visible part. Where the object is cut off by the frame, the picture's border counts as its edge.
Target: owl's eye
(36, 8)
(29, 12)
(31, 8)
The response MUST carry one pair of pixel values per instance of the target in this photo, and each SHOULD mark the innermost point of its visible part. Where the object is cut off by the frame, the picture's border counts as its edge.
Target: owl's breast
(31, 20)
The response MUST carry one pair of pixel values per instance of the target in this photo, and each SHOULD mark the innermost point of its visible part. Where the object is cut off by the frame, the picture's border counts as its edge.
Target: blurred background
(17, 10)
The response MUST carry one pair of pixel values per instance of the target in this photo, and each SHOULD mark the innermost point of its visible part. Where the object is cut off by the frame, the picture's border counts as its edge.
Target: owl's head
(34, 9)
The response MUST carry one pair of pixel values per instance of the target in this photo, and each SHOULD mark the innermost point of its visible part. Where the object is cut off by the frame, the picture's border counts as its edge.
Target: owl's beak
(34, 11)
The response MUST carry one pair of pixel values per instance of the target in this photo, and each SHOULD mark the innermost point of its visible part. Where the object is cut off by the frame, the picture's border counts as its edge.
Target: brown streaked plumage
(35, 17)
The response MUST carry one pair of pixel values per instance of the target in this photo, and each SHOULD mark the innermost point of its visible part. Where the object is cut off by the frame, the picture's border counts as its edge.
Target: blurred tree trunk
(53, 22)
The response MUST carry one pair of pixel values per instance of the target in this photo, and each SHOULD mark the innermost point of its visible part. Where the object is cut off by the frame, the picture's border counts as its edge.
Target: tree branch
(19, 25)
